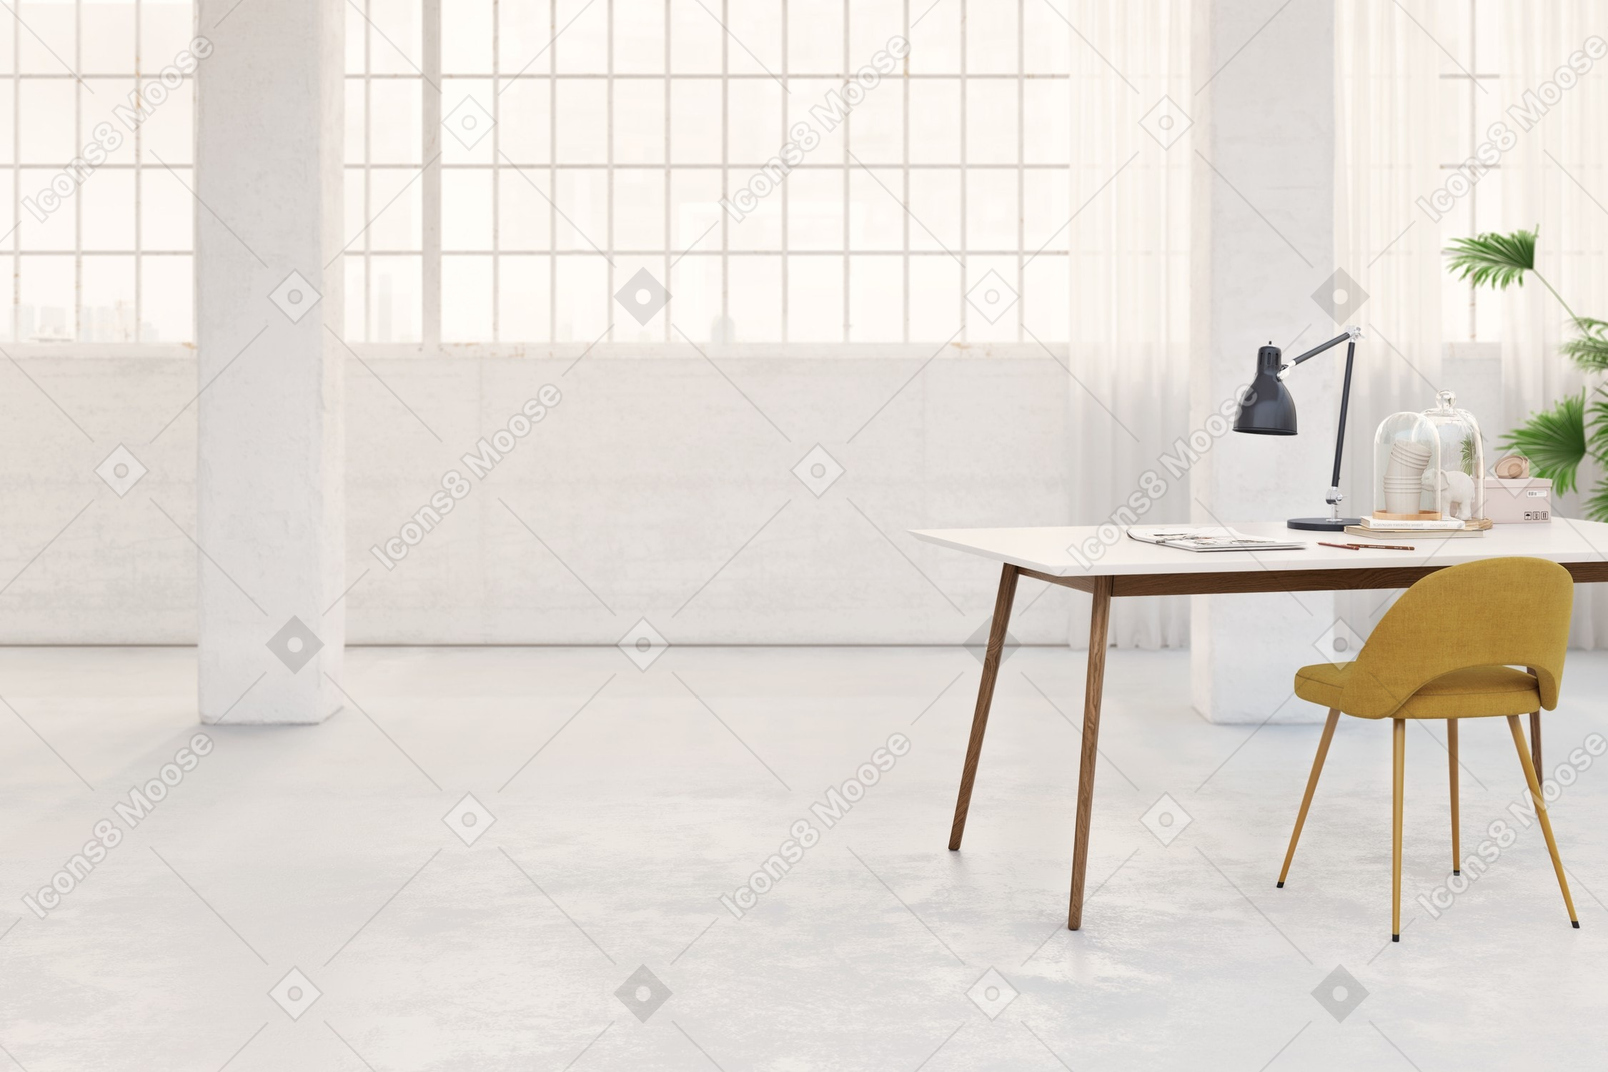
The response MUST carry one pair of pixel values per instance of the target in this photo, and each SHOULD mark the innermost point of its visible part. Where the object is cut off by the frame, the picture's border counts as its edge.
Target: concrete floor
(611, 830)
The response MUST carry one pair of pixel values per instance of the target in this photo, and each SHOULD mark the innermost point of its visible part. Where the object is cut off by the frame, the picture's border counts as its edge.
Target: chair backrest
(1496, 612)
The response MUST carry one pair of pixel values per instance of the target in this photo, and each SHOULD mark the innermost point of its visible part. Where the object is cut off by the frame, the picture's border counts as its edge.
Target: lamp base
(1323, 524)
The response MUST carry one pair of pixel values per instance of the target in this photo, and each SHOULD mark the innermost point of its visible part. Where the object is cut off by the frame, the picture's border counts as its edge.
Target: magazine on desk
(1208, 538)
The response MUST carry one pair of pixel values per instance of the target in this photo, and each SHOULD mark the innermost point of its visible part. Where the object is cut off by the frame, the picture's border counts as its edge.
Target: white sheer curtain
(1555, 177)
(1129, 295)
(1387, 111)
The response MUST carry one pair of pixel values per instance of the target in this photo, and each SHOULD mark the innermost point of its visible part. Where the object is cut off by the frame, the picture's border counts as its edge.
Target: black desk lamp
(1268, 409)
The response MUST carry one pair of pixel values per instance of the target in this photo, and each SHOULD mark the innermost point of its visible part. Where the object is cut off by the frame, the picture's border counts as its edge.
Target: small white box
(1509, 502)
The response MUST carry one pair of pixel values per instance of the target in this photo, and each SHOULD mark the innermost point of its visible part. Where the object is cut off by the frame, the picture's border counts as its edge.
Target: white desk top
(1046, 549)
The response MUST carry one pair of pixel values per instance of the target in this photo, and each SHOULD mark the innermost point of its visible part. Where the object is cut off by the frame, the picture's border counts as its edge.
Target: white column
(1263, 243)
(270, 474)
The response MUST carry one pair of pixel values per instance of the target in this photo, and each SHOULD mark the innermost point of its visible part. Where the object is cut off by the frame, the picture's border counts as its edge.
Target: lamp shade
(1267, 408)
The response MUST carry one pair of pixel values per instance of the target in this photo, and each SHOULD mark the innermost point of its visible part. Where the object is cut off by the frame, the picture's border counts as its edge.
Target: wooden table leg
(985, 698)
(1535, 731)
(1535, 740)
(1093, 685)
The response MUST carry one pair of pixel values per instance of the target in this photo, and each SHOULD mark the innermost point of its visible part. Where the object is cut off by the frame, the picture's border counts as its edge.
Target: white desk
(1078, 557)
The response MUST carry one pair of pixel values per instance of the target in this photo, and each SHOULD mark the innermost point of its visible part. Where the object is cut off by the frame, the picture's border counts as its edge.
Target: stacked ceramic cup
(1404, 476)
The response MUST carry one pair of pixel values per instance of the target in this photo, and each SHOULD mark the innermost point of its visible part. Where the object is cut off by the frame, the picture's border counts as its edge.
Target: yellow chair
(1448, 649)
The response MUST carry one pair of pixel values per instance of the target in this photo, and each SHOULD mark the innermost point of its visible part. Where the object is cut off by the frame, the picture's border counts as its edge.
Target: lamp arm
(1352, 334)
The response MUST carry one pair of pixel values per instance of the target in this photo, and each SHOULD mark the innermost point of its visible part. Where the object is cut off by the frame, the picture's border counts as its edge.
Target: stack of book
(1443, 528)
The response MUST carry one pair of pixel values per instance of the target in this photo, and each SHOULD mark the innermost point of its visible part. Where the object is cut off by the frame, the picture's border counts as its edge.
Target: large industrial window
(97, 183)
(535, 172)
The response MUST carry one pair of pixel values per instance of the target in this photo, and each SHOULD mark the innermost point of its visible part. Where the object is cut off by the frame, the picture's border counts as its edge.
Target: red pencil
(1362, 546)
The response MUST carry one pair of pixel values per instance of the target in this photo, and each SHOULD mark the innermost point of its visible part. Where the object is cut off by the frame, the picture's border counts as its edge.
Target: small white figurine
(1456, 491)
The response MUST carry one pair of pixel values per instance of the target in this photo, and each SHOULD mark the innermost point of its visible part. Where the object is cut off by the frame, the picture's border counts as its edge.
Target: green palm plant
(1560, 439)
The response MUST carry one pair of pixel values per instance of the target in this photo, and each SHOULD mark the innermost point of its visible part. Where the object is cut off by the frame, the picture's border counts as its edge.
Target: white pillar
(270, 474)
(1263, 243)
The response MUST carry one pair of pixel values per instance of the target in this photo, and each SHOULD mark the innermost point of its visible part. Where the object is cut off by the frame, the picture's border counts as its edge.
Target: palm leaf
(1597, 505)
(1590, 350)
(1555, 440)
(1497, 259)
(1597, 427)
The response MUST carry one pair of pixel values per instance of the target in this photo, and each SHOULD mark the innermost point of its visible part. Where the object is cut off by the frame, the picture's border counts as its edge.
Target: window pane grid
(849, 246)
(509, 163)
(389, 184)
(369, 328)
(89, 231)
(716, 77)
(1473, 23)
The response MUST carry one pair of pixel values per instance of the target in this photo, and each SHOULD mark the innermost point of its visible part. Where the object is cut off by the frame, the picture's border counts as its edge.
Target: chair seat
(1473, 693)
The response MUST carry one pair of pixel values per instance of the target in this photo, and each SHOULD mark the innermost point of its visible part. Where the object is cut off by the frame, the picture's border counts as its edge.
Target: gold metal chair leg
(1399, 742)
(1312, 785)
(1541, 814)
(1451, 752)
